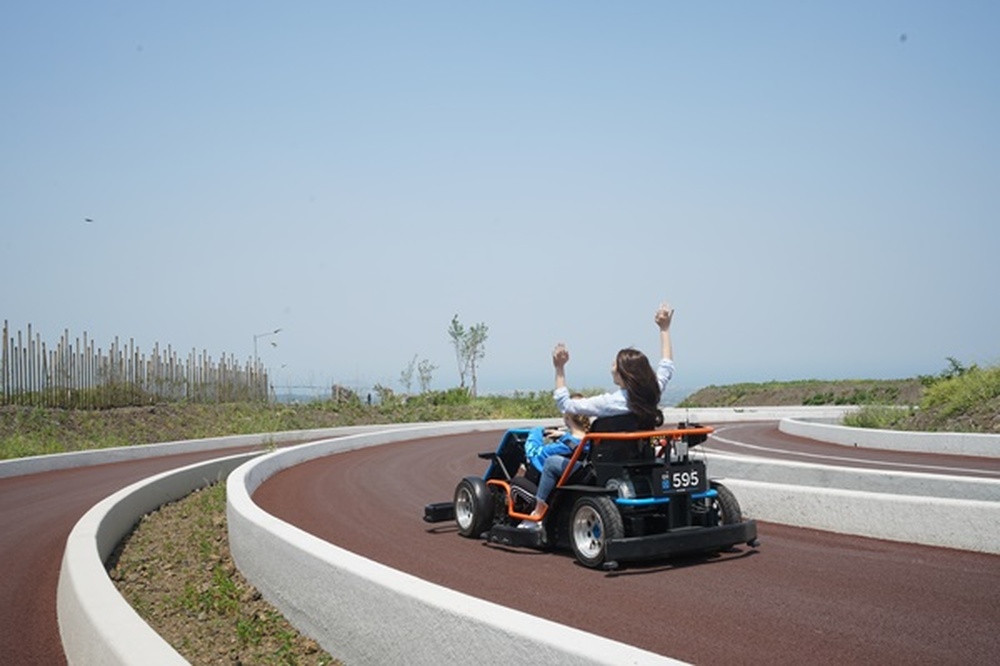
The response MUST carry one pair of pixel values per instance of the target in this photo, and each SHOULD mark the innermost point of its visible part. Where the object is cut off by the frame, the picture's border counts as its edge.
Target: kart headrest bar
(649, 434)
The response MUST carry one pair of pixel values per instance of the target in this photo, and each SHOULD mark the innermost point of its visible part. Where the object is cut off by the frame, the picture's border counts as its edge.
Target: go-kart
(635, 496)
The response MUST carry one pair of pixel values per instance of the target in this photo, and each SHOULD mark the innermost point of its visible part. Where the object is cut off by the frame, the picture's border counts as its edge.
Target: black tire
(725, 506)
(594, 520)
(473, 507)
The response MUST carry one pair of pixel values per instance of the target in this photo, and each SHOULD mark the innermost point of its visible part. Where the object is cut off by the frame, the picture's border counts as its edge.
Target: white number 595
(685, 479)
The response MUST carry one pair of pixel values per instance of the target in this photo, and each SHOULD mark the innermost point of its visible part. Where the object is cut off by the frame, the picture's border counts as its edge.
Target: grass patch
(32, 431)
(881, 417)
(176, 570)
(808, 392)
(966, 402)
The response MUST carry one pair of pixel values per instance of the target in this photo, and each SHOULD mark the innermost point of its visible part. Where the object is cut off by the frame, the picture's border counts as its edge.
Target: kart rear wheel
(594, 520)
(725, 505)
(473, 507)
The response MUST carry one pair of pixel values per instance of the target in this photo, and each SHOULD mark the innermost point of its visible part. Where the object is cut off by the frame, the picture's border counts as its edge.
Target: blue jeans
(552, 470)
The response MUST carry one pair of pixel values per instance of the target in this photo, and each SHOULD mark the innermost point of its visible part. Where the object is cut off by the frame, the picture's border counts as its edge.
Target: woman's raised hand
(560, 355)
(664, 315)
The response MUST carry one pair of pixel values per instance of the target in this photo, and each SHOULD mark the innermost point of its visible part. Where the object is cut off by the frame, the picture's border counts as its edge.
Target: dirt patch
(176, 571)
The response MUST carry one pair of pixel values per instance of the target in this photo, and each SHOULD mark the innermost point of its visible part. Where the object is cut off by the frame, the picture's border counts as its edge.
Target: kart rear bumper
(686, 540)
(438, 512)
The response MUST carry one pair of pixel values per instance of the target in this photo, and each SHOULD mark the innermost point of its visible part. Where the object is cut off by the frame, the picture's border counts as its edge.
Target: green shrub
(963, 392)
(452, 396)
(882, 417)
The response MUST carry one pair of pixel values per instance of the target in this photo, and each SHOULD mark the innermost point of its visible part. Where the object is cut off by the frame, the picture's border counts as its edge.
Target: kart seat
(624, 451)
(584, 476)
(619, 423)
(521, 483)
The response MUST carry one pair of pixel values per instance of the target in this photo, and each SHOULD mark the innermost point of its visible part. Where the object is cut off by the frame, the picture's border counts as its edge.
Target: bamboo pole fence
(76, 374)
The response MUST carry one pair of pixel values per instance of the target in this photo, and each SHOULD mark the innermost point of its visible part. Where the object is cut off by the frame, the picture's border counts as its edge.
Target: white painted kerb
(74, 459)
(934, 521)
(96, 624)
(952, 443)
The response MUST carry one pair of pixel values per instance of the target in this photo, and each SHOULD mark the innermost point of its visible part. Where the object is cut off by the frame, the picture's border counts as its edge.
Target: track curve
(37, 513)
(764, 439)
(804, 596)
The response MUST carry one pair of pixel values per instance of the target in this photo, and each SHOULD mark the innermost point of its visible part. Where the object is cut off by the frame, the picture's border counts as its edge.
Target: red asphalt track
(803, 596)
(37, 513)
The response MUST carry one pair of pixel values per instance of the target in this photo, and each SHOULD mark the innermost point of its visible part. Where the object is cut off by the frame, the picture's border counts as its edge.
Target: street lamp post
(256, 361)
(262, 335)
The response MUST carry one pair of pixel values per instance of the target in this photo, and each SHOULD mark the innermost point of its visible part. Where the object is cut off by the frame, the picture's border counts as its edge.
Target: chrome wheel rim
(463, 508)
(588, 532)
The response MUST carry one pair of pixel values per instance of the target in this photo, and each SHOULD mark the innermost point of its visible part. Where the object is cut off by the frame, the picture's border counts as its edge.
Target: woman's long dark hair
(642, 387)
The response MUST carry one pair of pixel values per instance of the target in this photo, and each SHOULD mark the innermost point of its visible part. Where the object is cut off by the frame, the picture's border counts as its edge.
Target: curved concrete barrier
(829, 413)
(933, 521)
(96, 624)
(954, 443)
(794, 473)
(929, 509)
(49, 463)
(366, 613)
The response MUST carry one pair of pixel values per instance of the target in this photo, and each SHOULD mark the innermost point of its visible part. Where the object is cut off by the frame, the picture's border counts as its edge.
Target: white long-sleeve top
(608, 404)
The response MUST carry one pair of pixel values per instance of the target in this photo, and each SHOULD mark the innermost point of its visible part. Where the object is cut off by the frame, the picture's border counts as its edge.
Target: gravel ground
(175, 569)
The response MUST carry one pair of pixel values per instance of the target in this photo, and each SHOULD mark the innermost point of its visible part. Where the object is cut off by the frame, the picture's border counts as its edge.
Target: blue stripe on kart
(641, 501)
(648, 501)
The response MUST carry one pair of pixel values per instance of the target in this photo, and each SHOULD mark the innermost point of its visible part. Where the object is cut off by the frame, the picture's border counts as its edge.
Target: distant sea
(672, 396)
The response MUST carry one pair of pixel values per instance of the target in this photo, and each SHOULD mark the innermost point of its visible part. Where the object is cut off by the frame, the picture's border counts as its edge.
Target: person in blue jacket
(551, 445)
(543, 443)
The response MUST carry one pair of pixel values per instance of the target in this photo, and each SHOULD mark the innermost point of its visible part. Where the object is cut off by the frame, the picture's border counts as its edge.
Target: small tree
(385, 395)
(424, 370)
(406, 376)
(470, 348)
(476, 350)
(457, 334)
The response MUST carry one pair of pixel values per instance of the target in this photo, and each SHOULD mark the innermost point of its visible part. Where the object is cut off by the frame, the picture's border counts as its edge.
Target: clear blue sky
(815, 187)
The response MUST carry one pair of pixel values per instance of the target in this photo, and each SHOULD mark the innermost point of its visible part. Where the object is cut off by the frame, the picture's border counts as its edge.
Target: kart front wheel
(473, 507)
(593, 522)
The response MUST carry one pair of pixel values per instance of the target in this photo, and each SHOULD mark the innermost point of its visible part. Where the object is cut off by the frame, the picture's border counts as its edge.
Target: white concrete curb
(709, 415)
(56, 461)
(767, 470)
(96, 624)
(954, 443)
(934, 521)
(930, 509)
(366, 613)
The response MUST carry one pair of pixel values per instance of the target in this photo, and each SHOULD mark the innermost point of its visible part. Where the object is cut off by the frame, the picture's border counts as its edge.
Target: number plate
(683, 478)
